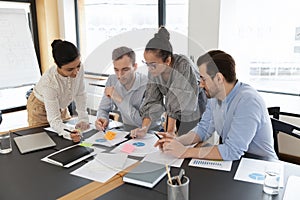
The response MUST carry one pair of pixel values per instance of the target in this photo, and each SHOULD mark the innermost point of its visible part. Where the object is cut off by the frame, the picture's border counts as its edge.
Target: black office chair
(274, 111)
(0, 117)
(282, 129)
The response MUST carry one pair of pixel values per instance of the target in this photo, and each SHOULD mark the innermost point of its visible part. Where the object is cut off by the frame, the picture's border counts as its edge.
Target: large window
(264, 38)
(107, 24)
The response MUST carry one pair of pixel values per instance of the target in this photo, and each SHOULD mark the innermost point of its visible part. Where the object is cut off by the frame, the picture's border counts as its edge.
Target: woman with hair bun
(172, 87)
(58, 87)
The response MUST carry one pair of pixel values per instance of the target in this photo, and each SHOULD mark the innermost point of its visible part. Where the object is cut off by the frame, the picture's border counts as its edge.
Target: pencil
(169, 176)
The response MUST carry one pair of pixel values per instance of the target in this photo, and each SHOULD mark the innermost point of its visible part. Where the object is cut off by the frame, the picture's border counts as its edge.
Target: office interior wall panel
(48, 26)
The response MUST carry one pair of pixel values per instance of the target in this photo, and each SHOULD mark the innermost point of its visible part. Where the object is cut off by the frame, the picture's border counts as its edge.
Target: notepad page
(211, 164)
(292, 191)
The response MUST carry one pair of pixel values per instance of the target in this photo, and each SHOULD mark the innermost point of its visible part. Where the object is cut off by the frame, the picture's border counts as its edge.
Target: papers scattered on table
(98, 138)
(163, 158)
(114, 124)
(70, 127)
(292, 191)
(211, 164)
(252, 170)
(104, 167)
(143, 146)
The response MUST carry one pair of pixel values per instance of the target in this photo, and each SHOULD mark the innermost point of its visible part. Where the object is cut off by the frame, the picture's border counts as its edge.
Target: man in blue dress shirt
(235, 111)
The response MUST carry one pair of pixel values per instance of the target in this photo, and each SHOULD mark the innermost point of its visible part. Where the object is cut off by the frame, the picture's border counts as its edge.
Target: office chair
(285, 141)
(0, 117)
(274, 112)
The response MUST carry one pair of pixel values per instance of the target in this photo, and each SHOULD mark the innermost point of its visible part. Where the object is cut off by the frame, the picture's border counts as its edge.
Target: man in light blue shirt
(125, 90)
(234, 110)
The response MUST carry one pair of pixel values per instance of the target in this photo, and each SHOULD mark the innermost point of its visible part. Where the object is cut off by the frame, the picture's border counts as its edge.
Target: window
(264, 38)
(107, 24)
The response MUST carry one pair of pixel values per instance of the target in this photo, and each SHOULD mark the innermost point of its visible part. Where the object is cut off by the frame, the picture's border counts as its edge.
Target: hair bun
(162, 33)
(56, 42)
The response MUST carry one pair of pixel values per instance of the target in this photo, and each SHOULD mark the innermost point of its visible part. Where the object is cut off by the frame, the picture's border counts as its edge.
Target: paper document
(292, 191)
(211, 164)
(70, 127)
(163, 158)
(99, 138)
(100, 172)
(143, 146)
(252, 170)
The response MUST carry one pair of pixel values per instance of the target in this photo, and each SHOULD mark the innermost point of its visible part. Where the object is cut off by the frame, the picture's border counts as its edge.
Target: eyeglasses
(151, 65)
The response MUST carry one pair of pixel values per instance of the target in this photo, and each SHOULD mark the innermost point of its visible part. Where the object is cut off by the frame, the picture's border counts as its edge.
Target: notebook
(146, 174)
(33, 142)
(70, 155)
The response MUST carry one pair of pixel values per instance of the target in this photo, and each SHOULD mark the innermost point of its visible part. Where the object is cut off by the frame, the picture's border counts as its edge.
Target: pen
(73, 132)
(67, 130)
(157, 135)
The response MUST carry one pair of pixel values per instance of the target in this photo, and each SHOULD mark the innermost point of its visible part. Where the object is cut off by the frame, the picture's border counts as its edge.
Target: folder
(146, 174)
(69, 156)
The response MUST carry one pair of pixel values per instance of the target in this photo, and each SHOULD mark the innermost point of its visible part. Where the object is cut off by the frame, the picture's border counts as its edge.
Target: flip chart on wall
(18, 60)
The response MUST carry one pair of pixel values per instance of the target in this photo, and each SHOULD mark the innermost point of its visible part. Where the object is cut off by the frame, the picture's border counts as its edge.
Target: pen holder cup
(178, 191)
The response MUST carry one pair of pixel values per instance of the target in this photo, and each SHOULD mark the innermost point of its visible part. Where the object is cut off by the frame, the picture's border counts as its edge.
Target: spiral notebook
(211, 164)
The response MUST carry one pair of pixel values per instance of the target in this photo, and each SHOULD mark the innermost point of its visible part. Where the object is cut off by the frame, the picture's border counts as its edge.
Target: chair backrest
(0, 117)
(274, 112)
(286, 140)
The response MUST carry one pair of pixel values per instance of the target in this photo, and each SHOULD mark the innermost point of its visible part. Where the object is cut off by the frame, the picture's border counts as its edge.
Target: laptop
(33, 142)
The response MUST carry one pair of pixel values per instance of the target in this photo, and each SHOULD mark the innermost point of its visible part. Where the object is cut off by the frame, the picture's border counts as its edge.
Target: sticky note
(128, 148)
(110, 135)
(86, 144)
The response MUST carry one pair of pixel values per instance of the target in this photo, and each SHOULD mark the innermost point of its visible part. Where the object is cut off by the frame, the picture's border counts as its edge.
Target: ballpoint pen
(74, 132)
(157, 135)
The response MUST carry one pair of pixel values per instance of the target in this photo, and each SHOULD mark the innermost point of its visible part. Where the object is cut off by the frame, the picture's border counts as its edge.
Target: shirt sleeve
(243, 127)
(81, 98)
(205, 127)
(106, 104)
(152, 105)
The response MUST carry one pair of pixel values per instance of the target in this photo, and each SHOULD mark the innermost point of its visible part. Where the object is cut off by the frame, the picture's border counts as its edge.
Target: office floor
(14, 120)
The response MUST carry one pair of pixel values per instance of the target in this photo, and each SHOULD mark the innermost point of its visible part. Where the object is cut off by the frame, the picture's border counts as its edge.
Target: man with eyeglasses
(124, 90)
(234, 110)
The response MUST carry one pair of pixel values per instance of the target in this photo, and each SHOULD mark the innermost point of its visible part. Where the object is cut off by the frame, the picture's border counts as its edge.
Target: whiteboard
(18, 61)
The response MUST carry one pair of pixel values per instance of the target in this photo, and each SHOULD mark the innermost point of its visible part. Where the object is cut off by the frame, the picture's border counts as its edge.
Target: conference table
(205, 184)
(25, 176)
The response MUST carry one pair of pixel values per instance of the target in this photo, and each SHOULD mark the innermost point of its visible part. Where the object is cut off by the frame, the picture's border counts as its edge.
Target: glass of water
(5, 143)
(271, 182)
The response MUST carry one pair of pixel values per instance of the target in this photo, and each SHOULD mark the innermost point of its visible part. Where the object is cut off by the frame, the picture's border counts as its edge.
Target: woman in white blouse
(57, 88)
